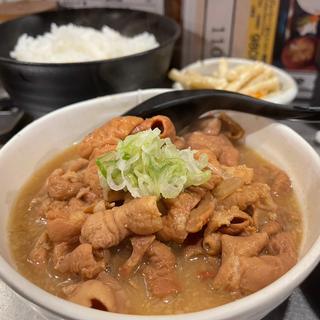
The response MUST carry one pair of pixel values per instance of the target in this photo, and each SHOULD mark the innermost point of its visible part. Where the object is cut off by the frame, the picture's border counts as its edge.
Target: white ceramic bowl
(285, 95)
(42, 139)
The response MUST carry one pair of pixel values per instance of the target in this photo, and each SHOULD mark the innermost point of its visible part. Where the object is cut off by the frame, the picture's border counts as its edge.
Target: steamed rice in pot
(71, 43)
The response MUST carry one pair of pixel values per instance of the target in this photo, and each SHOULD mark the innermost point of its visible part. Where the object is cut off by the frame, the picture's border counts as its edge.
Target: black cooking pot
(46, 86)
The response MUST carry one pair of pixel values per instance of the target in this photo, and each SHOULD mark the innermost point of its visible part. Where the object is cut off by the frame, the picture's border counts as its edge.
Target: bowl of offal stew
(122, 217)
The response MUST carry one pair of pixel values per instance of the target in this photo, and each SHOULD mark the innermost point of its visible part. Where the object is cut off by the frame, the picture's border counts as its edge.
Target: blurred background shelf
(14, 9)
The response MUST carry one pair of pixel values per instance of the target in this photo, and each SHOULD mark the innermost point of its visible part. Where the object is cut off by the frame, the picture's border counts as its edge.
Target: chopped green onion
(144, 164)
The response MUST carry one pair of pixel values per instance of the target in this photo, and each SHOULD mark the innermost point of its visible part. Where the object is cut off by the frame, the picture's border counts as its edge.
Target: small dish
(289, 88)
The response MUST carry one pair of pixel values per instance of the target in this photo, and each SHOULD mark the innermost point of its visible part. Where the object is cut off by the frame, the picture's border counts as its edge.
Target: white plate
(285, 95)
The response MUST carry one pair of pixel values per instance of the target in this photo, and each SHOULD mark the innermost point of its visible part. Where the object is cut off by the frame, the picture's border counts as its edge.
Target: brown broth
(197, 294)
(288, 206)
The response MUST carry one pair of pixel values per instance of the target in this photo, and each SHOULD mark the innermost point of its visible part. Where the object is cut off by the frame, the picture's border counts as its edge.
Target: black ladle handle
(183, 106)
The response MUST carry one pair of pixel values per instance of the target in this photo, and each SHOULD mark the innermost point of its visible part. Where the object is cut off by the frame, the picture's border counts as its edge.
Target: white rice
(71, 43)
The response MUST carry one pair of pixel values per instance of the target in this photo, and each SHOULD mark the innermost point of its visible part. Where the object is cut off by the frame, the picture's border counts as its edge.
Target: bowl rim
(290, 93)
(60, 307)
(172, 39)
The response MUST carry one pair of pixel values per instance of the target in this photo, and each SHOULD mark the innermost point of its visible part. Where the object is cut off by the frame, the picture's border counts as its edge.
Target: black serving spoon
(184, 106)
